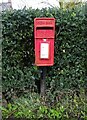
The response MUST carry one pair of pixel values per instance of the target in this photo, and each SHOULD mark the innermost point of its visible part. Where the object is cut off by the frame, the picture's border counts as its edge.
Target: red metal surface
(44, 32)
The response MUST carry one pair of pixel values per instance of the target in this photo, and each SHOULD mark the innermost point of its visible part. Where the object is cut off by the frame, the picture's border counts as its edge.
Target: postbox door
(44, 52)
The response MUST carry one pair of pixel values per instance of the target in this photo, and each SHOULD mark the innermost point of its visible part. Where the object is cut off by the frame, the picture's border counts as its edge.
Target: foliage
(34, 107)
(70, 3)
(30, 108)
(18, 69)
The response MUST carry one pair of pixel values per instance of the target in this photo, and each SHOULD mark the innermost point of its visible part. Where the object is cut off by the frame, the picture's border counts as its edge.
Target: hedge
(18, 69)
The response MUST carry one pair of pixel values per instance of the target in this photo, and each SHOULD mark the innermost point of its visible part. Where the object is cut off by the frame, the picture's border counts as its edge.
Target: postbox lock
(44, 40)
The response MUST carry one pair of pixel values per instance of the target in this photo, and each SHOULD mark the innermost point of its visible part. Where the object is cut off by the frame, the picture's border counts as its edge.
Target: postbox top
(44, 22)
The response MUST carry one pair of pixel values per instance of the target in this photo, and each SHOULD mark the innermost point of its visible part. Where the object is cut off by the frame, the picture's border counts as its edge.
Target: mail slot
(44, 35)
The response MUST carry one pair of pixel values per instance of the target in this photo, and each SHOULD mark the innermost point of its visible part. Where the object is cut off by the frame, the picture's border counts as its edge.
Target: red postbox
(44, 34)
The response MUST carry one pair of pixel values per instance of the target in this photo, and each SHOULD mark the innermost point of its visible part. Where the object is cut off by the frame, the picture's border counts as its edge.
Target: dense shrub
(70, 68)
(33, 107)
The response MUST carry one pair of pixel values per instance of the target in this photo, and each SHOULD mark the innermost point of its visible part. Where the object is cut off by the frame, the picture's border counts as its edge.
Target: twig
(47, 4)
(11, 113)
(58, 32)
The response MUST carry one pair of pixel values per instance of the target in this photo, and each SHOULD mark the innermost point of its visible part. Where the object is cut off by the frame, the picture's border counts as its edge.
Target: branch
(47, 3)
(58, 32)
(12, 113)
